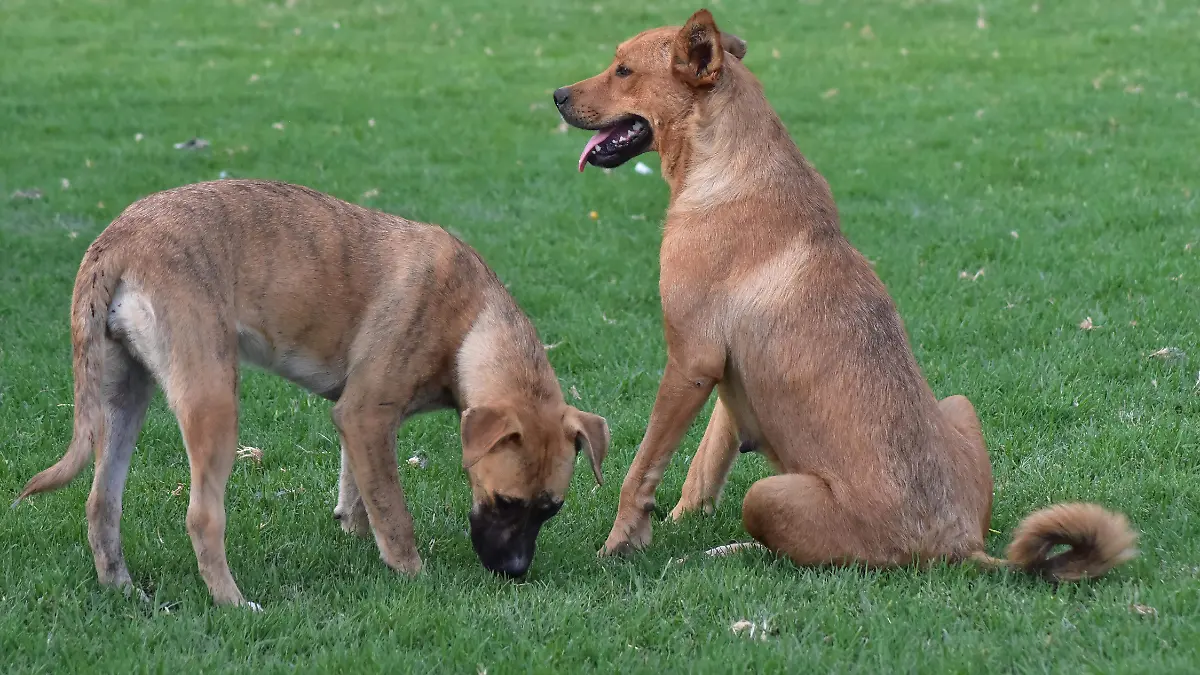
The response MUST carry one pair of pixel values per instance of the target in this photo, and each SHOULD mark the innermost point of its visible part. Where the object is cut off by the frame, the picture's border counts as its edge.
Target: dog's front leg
(368, 431)
(710, 467)
(685, 386)
(350, 511)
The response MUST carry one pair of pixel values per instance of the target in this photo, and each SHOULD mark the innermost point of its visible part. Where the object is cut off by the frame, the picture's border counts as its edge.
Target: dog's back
(252, 243)
(291, 268)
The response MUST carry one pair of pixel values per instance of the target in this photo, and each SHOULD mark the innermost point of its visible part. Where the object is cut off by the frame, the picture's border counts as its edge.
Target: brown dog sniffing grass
(765, 300)
(386, 317)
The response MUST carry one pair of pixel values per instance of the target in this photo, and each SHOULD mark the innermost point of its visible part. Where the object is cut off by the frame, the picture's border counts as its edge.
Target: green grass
(1054, 149)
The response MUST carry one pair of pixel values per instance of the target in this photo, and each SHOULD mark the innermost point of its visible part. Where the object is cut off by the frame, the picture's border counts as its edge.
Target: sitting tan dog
(387, 317)
(765, 300)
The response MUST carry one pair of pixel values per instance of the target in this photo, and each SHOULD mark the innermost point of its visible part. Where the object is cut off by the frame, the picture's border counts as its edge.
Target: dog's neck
(734, 147)
(501, 359)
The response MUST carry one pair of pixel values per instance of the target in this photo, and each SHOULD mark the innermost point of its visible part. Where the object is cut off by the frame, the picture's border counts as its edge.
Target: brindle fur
(766, 301)
(386, 317)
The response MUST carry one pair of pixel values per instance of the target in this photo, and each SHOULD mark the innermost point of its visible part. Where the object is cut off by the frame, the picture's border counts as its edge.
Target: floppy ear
(483, 428)
(591, 436)
(734, 45)
(697, 51)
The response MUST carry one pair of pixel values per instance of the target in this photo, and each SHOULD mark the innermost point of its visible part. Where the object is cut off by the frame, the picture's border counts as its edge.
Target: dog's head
(649, 90)
(520, 460)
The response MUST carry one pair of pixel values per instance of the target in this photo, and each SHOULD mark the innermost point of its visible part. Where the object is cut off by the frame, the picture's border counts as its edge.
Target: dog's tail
(1097, 540)
(94, 287)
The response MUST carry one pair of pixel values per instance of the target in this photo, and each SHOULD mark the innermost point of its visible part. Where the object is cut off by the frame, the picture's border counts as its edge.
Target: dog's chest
(434, 395)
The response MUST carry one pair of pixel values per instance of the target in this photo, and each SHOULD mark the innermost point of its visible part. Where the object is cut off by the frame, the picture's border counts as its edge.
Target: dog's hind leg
(127, 390)
(976, 464)
(194, 359)
(798, 515)
(201, 386)
(710, 467)
(350, 511)
(208, 419)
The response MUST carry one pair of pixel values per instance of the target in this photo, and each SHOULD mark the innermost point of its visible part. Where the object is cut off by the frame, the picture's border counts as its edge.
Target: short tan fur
(766, 301)
(386, 317)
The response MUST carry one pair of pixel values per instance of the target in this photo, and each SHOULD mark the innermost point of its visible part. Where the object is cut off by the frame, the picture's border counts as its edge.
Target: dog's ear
(697, 51)
(591, 436)
(483, 428)
(734, 45)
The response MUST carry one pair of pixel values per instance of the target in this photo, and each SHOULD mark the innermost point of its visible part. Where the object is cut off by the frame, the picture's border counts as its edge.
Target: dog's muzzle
(615, 142)
(504, 534)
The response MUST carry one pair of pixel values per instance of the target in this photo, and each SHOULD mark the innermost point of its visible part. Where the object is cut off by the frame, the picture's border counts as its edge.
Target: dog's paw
(353, 521)
(627, 538)
(135, 592)
(685, 509)
(616, 549)
(121, 581)
(409, 565)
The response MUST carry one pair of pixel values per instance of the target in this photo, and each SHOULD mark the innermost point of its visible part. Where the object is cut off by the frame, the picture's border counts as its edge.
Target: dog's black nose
(513, 567)
(561, 96)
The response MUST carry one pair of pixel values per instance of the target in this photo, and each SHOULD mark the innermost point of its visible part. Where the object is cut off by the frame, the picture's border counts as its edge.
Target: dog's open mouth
(614, 145)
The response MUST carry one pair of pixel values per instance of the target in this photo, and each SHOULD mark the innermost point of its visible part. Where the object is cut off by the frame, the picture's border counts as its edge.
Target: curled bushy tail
(1097, 540)
(94, 287)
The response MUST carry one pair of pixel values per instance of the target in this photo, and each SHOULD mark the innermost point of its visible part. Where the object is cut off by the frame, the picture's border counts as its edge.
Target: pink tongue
(599, 138)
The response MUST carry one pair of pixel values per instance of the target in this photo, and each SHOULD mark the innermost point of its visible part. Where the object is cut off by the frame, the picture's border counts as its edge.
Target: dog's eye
(622, 71)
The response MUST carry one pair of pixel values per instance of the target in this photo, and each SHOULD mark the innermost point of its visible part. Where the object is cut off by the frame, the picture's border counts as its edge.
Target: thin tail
(1098, 541)
(94, 286)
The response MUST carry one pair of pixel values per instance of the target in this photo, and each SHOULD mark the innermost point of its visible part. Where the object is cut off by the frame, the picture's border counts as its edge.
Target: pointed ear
(734, 45)
(697, 51)
(483, 428)
(591, 436)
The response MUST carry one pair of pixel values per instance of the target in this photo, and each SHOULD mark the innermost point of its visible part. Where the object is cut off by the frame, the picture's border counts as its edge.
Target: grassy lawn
(1013, 169)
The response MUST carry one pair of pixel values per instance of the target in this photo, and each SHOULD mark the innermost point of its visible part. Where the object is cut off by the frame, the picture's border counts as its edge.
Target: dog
(766, 301)
(385, 317)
